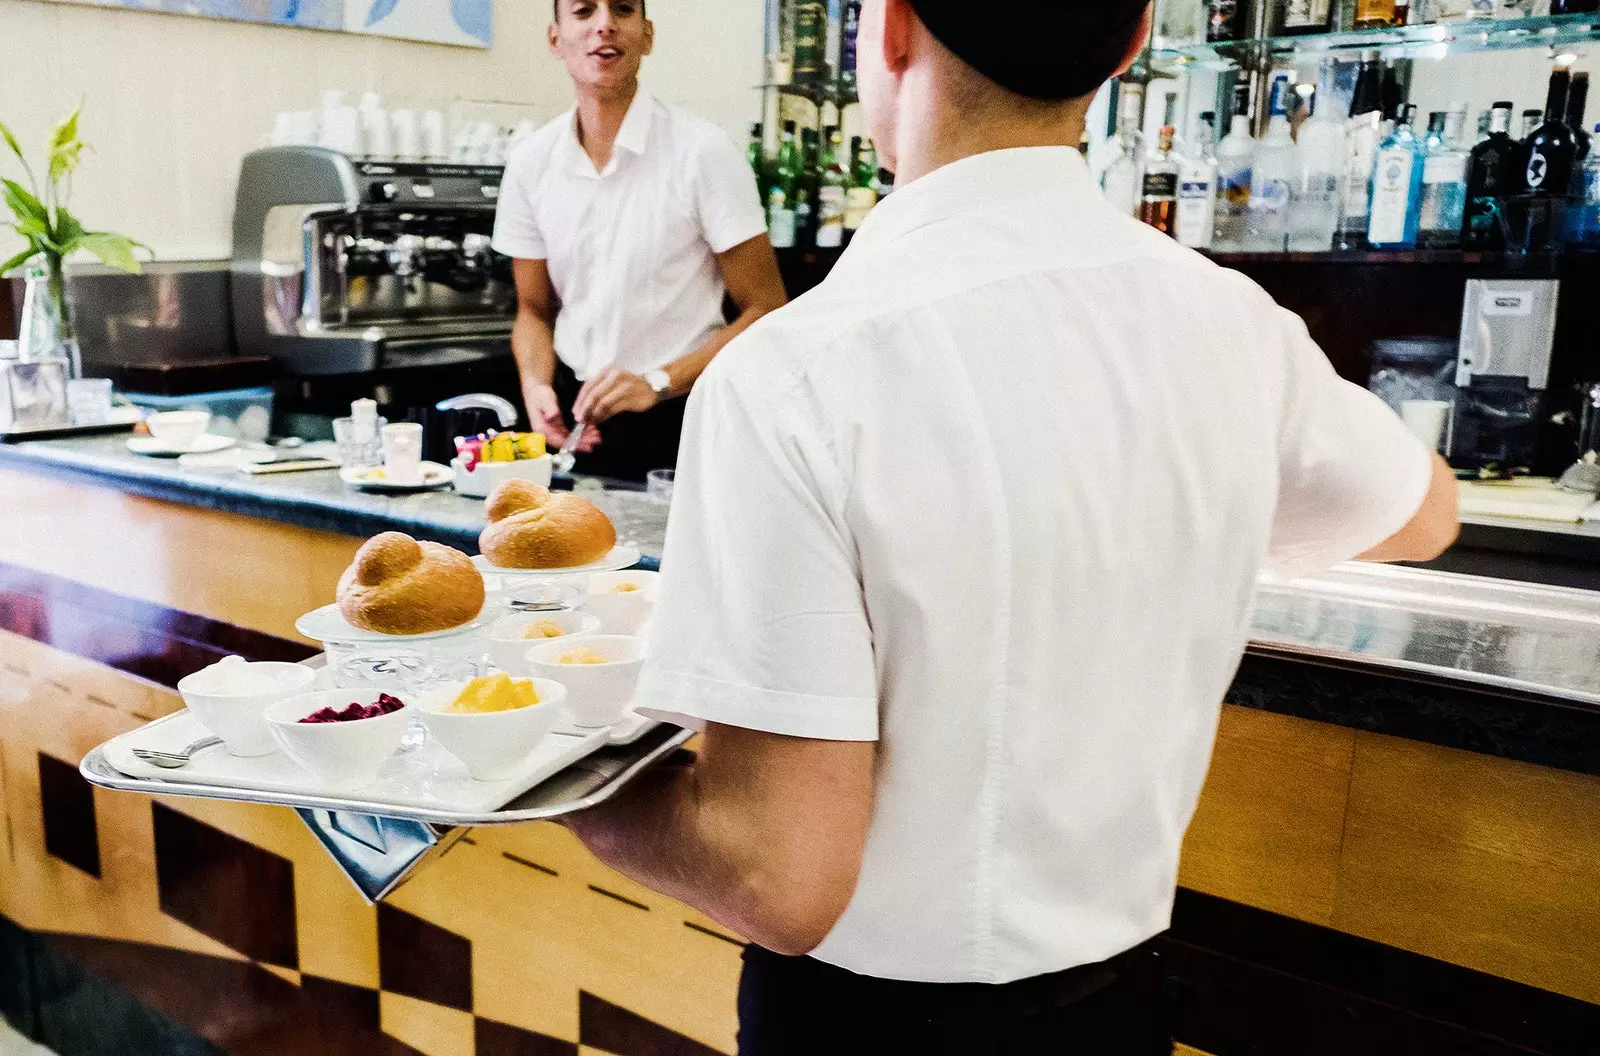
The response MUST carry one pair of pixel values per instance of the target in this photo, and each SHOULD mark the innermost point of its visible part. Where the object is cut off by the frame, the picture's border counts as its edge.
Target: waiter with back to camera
(628, 221)
(960, 566)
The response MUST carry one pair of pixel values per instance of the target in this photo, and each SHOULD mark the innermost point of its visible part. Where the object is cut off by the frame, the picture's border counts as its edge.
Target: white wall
(173, 102)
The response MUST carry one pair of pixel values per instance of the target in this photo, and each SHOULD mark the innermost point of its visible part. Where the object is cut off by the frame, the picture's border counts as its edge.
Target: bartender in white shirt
(961, 564)
(628, 220)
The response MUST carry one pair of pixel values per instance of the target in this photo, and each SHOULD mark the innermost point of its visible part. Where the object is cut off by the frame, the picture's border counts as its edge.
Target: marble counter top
(318, 499)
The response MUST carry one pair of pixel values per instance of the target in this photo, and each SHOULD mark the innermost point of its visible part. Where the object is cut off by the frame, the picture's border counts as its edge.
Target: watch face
(658, 380)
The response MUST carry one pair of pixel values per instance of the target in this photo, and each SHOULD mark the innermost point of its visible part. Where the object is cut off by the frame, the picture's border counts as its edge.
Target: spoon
(174, 760)
(567, 457)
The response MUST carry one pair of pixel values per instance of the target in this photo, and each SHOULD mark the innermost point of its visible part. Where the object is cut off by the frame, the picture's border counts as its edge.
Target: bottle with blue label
(1396, 213)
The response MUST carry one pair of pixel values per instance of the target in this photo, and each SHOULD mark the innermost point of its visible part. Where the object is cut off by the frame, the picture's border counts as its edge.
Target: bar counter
(1398, 847)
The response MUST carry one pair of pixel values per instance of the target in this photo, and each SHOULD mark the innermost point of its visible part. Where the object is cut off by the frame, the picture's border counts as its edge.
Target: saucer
(151, 447)
(433, 476)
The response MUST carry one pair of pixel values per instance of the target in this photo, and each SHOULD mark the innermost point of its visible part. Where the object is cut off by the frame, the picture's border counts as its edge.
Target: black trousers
(789, 1006)
(632, 444)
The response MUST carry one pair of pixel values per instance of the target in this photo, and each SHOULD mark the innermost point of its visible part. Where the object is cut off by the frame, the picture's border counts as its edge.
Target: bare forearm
(655, 833)
(686, 371)
(534, 346)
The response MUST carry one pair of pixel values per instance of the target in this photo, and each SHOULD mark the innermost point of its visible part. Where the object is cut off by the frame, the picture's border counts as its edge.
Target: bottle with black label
(1552, 147)
(1491, 169)
(1158, 205)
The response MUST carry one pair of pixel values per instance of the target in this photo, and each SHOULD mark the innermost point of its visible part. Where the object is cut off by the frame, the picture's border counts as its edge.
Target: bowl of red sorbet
(341, 737)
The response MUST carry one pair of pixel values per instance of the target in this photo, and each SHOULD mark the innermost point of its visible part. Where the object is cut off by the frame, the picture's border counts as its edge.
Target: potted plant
(39, 214)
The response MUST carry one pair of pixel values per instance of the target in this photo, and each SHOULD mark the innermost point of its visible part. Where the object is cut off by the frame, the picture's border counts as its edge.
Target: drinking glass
(659, 484)
(355, 451)
(89, 400)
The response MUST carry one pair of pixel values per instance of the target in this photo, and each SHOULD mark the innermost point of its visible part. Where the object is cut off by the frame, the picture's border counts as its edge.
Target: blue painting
(468, 23)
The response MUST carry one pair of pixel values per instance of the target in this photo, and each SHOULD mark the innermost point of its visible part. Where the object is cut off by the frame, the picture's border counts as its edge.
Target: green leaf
(114, 250)
(68, 230)
(18, 260)
(65, 147)
(31, 217)
(11, 141)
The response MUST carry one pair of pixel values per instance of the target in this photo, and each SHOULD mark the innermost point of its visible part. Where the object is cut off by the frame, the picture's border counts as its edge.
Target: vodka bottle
(1197, 188)
(1270, 178)
(1315, 190)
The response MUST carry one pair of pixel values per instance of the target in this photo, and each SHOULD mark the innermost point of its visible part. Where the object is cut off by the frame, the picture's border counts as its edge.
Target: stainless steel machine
(349, 267)
(1507, 335)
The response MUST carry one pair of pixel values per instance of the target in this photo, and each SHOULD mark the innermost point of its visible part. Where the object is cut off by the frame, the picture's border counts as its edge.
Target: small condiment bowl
(478, 482)
(179, 428)
(509, 641)
(622, 612)
(597, 694)
(230, 698)
(344, 756)
(494, 745)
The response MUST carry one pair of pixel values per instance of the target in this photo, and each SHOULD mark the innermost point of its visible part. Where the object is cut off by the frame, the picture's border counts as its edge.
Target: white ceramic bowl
(597, 694)
(495, 744)
(343, 756)
(622, 612)
(479, 481)
(179, 428)
(509, 643)
(230, 699)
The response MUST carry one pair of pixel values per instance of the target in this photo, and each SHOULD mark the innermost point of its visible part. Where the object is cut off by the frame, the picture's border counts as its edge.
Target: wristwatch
(660, 383)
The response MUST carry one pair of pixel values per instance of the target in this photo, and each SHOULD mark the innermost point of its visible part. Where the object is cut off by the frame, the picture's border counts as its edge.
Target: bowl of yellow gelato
(494, 723)
(600, 671)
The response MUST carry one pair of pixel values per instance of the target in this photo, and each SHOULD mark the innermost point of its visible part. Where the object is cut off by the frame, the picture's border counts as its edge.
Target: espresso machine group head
(342, 266)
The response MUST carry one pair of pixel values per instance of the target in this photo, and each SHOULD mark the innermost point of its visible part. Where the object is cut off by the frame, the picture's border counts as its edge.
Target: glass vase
(47, 324)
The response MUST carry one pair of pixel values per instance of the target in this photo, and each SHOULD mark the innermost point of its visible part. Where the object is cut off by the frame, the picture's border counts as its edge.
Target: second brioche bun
(399, 586)
(533, 527)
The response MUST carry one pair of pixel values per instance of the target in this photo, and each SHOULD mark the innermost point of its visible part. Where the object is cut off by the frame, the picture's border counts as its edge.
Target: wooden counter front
(1342, 890)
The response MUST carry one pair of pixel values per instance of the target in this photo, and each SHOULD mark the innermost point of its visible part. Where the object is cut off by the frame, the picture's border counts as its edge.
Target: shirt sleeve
(726, 197)
(761, 621)
(1350, 474)
(516, 223)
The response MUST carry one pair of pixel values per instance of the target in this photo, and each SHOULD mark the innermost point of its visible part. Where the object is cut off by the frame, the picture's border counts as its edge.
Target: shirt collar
(975, 184)
(633, 137)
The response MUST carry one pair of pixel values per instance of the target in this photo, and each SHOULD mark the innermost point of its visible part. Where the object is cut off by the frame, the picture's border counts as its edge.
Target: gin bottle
(1444, 179)
(1397, 188)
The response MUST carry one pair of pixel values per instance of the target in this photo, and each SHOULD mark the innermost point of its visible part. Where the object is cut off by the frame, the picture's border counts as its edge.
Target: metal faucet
(483, 401)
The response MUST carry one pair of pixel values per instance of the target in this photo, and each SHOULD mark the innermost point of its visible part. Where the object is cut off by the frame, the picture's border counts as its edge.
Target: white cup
(375, 129)
(1427, 420)
(435, 143)
(402, 453)
(406, 140)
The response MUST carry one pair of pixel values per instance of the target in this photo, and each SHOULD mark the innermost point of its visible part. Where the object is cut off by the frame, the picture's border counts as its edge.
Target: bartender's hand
(544, 413)
(610, 393)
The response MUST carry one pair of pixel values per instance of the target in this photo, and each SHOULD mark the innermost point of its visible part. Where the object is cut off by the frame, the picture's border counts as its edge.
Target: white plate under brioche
(623, 555)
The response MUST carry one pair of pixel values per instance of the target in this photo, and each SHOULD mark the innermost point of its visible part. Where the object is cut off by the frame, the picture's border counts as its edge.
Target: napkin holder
(33, 395)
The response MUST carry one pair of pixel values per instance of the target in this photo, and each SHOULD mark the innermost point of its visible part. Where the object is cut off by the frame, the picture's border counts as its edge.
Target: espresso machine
(370, 278)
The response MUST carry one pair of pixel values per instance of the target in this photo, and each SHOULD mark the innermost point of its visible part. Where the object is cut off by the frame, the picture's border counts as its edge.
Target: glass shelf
(1434, 40)
(833, 92)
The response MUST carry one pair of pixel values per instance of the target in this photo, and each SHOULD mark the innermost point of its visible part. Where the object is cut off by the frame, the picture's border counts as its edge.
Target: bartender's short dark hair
(642, 10)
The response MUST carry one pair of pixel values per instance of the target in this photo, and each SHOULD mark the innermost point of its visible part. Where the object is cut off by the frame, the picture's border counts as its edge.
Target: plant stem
(55, 268)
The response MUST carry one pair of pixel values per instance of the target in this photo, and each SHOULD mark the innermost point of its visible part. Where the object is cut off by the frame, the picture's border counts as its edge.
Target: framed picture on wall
(468, 23)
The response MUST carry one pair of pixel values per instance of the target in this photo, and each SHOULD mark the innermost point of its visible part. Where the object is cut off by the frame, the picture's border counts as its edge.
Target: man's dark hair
(1068, 48)
(642, 10)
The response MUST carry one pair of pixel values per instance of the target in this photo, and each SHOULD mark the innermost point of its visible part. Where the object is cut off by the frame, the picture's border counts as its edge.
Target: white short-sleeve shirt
(631, 248)
(997, 495)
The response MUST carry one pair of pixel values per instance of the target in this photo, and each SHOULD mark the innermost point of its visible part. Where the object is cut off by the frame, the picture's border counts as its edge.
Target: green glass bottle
(783, 191)
(810, 41)
(758, 155)
(831, 194)
(810, 180)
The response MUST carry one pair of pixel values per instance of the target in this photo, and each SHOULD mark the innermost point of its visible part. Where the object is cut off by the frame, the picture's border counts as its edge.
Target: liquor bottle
(1158, 204)
(831, 194)
(1124, 177)
(1392, 93)
(1577, 109)
(758, 154)
(1197, 187)
(781, 63)
(1315, 192)
(860, 193)
(1267, 214)
(783, 191)
(852, 29)
(1444, 179)
(1586, 228)
(1531, 119)
(1397, 187)
(1360, 144)
(805, 206)
(1178, 23)
(1227, 20)
(1551, 148)
(1305, 16)
(1483, 126)
(1236, 156)
(1378, 14)
(1491, 175)
(810, 41)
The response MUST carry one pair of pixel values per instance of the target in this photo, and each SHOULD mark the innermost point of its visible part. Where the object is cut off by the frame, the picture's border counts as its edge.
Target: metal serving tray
(381, 849)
